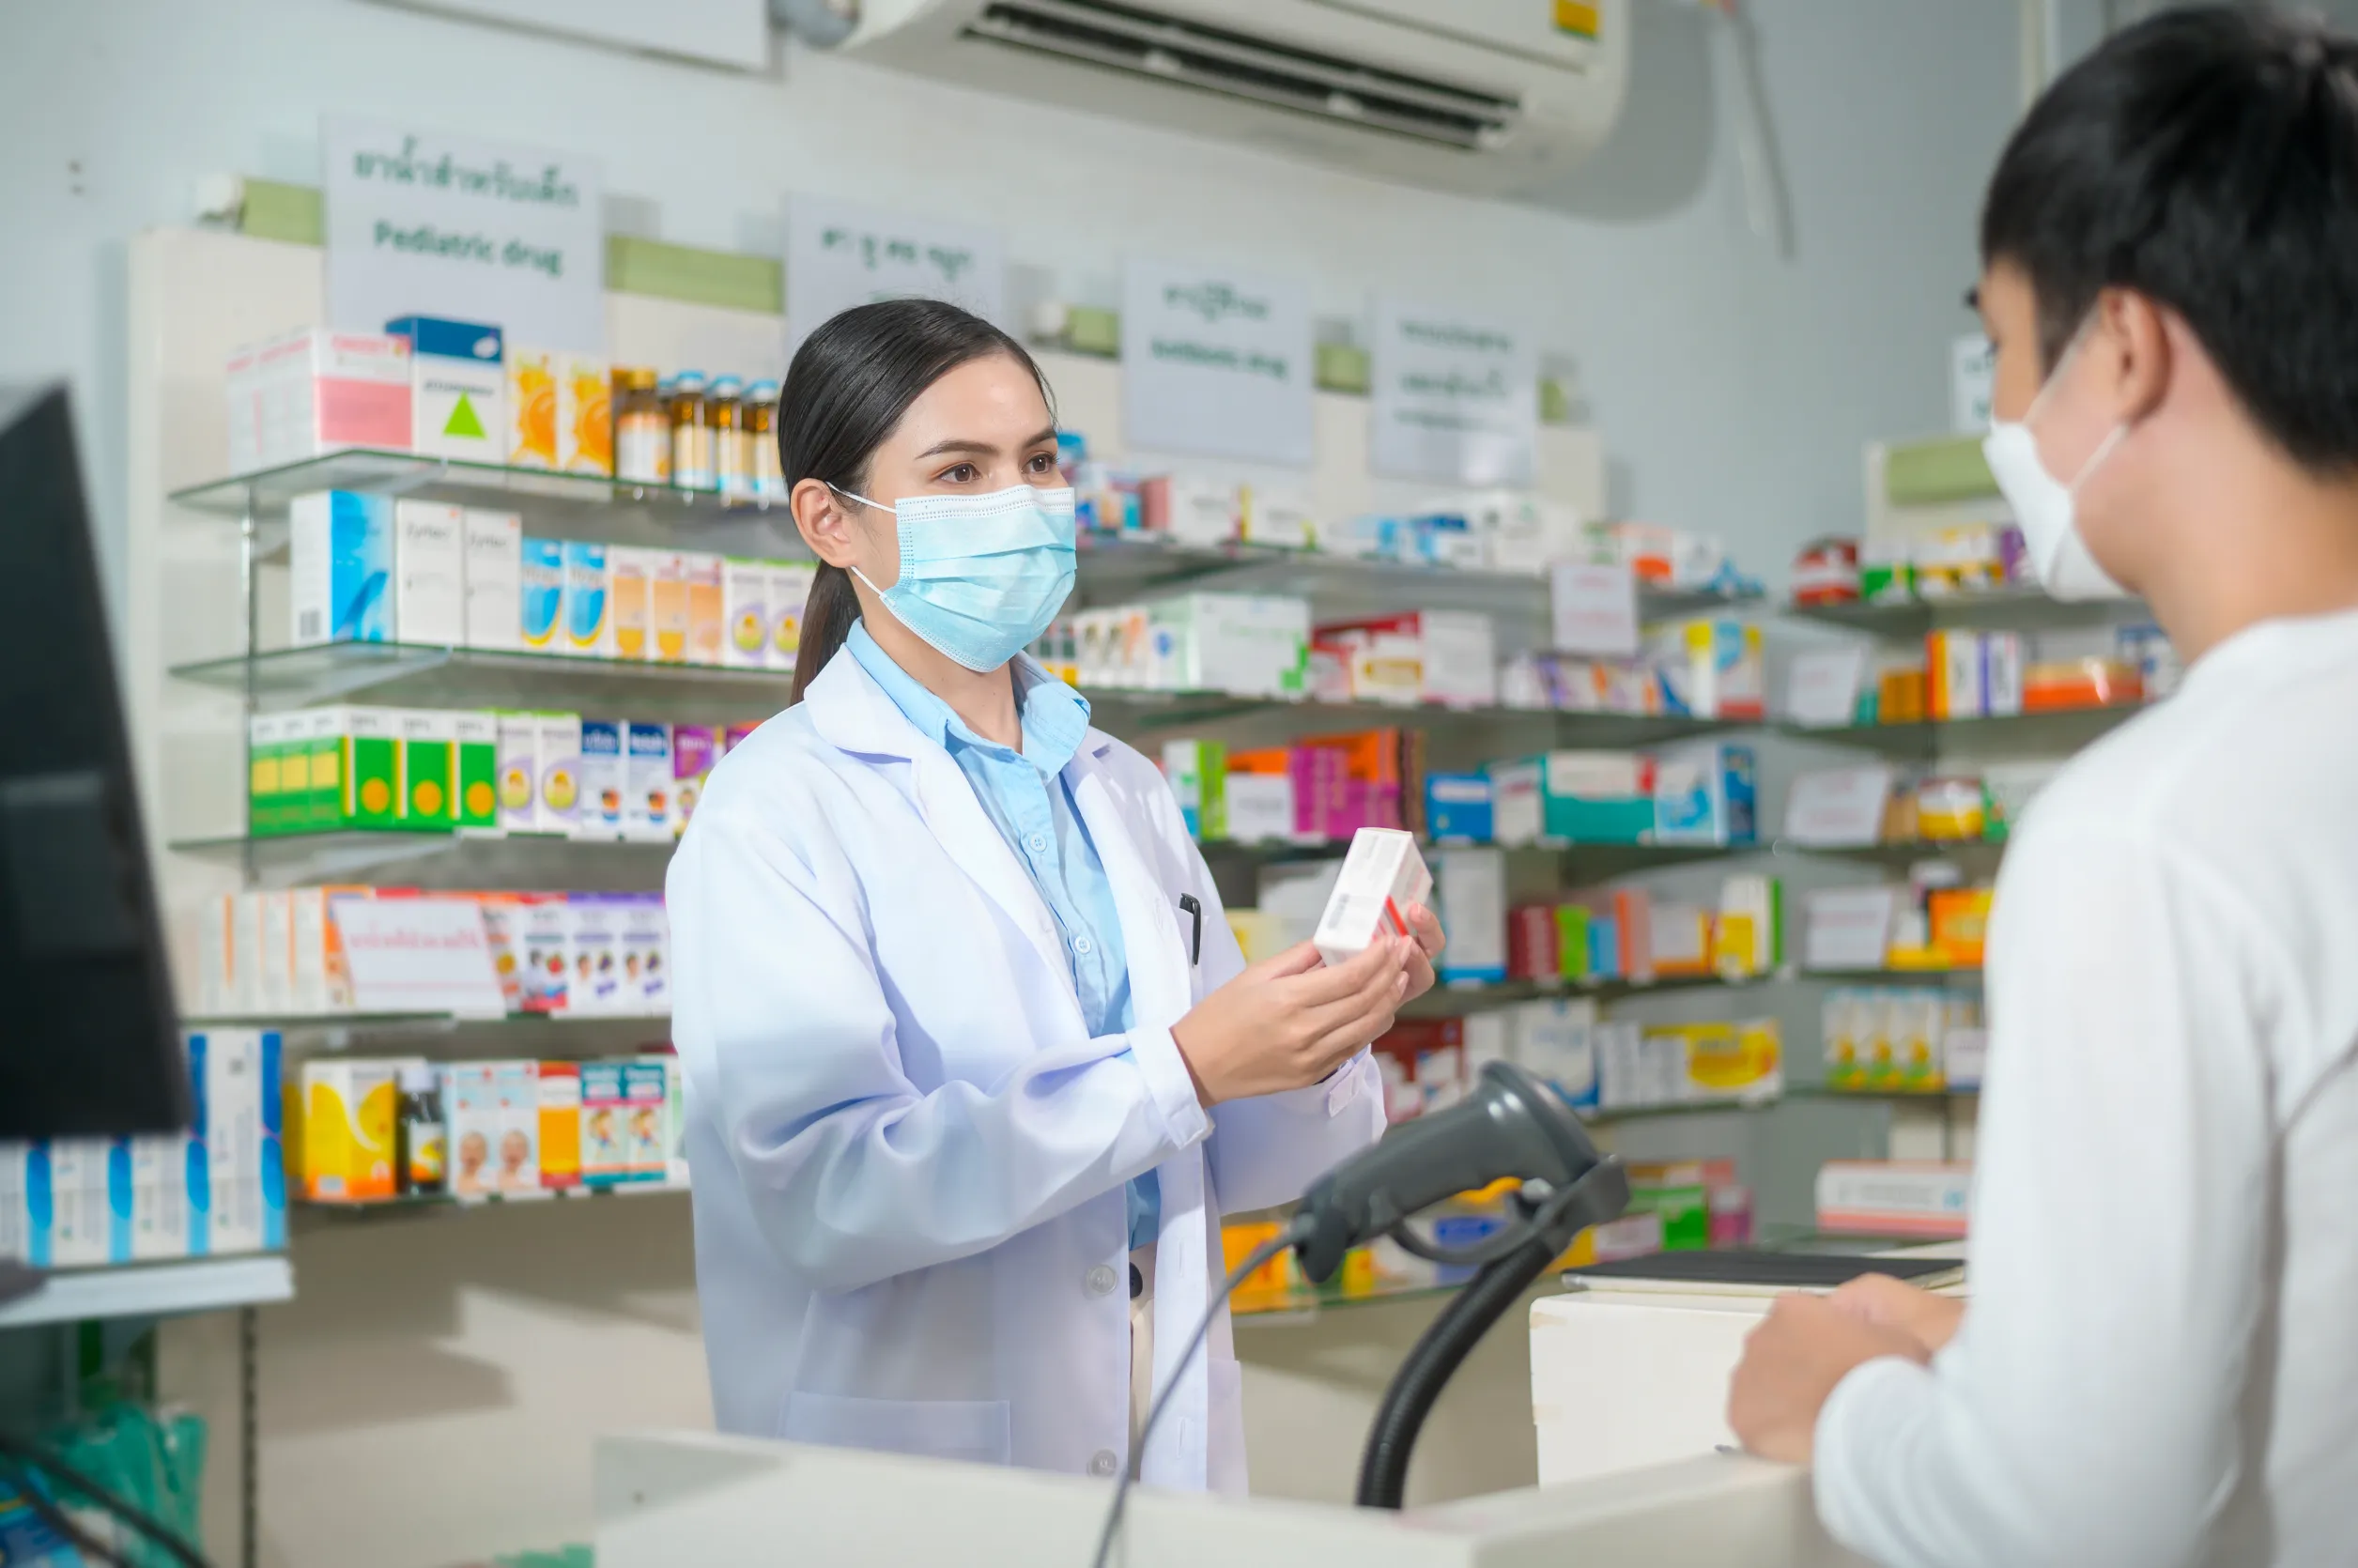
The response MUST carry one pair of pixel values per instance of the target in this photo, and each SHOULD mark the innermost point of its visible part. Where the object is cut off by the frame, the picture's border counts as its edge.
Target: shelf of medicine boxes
(415, 1205)
(2013, 734)
(153, 1290)
(1995, 610)
(457, 1037)
(546, 863)
(588, 506)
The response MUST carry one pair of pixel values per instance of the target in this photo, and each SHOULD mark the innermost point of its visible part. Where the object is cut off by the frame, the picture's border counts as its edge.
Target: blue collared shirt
(1027, 797)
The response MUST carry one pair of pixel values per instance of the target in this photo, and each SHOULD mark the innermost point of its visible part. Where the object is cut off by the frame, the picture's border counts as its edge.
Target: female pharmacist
(974, 1064)
(2159, 1366)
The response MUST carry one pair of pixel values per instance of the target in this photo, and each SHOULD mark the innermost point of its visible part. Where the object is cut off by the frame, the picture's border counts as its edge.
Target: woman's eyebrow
(984, 448)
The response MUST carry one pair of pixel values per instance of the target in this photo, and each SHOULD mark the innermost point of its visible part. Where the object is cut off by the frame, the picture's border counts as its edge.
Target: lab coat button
(1100, 1281)
(1101, 1462)
(1039, 844)
(1084, 947)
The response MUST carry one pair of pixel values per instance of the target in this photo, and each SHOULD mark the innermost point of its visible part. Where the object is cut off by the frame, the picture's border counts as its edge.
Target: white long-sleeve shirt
(2160, 1364)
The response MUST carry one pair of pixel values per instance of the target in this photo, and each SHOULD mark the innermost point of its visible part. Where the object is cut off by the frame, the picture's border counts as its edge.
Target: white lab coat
(908, 1156)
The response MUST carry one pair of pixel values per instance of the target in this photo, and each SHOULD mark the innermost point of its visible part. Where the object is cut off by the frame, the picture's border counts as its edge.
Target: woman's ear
(823, 519)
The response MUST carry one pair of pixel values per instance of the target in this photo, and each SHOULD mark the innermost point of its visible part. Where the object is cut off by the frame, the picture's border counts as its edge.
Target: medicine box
(1458, 807)
(340, 567)
(494, 580)
(475, 765)
(1711, 669)
(744, 598)
(1597, 797)
(1249, 645)
(627, 601)
(458, 389)
(1470, 897)
(594, 946)
(503, 939)
(604, 1124)
(788, 592)
(81, 1228)
(516, 1086)
(1705, 794)
(648, 783)
(265, 785)
(559, 1092)
(541, 586)
(666, 606)
(1382, 875)
(357, 756)
(470, 1104)
(605, 781)
(516, 769)
(1455, 652)
(340, 1114)
(701, 574)
(1894, 1197)
(311, 391)
(429, 601)
(429, 740)
(585, 418)
(589, 622)
(531, 407)
(695, 747)
(557, 805)
(1555, 1040)
(644, 1154)
(674, 1120)
(1198, 774)
(544, 952)
(642, 937)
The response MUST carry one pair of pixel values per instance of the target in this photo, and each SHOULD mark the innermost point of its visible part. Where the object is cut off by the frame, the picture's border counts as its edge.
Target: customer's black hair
(2208, 158)
(847, 388)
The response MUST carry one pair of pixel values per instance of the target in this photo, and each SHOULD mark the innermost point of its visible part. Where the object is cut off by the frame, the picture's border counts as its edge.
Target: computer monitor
(88, 1038)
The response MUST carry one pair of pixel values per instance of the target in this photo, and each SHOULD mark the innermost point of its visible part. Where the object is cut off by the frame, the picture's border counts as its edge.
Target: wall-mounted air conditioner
(1485, 97)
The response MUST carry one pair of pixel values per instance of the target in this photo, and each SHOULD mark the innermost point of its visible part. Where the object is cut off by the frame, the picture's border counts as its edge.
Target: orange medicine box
(1959, 919)
(560, 1124)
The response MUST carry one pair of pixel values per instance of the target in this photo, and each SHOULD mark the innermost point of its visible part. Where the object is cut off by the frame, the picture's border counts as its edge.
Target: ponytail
(850, 382)
(827, 616)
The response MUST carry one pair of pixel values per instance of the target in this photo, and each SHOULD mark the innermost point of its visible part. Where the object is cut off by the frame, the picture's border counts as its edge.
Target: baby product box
(604, 781)
(544, 922)
(515, 1088)
(429, 600)
(458, 389)
(311, 391)
(541, 586)
(341, 1112)
(340, 567)
(428, 740)
(516, 769)
(471, 1103)
(588, 614)
(644, 1153)
(788, 592)
(594, 944)
(643, 938)
(475, 766)
(560, 1125)
(666, 607)
(694, 750)
(531, 407)
(745, 614)
(604, 1124)
(1705, 794)
(557, 752)
(630, 572)
(1383, 874)
(647, 782)
(702, 576)
(494, 547)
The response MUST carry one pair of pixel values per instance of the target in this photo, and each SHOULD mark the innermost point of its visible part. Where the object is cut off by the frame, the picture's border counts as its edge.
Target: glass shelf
(528, 1033)
(1928, 1097)
(1999, 610)
(1893, 974)
(421, 676)
(1597, 857)
(1446, 999)
(2061, 729)
(437, 1203)
(530, 862)
(1900, 852)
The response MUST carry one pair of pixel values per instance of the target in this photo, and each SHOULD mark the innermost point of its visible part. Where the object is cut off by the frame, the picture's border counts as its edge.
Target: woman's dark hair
(2208, 158)
(849, 385)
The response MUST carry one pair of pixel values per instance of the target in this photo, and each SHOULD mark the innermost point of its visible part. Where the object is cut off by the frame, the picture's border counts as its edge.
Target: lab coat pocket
(974, 1430)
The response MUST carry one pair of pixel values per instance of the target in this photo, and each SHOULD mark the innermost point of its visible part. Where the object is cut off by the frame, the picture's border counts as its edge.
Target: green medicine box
(356, 769)
(475, 802)
(428, 772)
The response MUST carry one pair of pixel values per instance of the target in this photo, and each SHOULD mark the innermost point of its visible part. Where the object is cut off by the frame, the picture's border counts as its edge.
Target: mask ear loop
(2063, 362)
(873, 506)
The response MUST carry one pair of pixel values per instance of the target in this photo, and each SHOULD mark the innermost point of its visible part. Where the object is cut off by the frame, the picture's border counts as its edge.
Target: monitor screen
(89, 1040)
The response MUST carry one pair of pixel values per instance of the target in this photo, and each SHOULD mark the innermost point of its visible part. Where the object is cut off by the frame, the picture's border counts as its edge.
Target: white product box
(586, 616)
(503, 935)
(1894, 1197)
(216, 959)
(319, 981)
(516, 1086)
(630, 600)
(1251, 645)
(245, 953)
(604, 781)
(644, 939)
(1470, 899)
(1961, 674)
(340, 568)
(1381, 876)
(1556, 1041)
(595, 943)
(1202, 510)
(1522, 533)
(1260, 806)
(470, 1108)
(1273, 516)
(1486, 1037)
(16, 1215)
(494, 580)
(83, 1231)
(648, 784)
(558, 799)
(674, 1121)
(159, 1195)
(744, 613)
(546, 925)
(788, 592)
(458, 389)
(1620, 1068)
(700, 573)
(1462, 659)
(429, 574)
(1517, 808)
(245, 1193)
(2002, 673)
(274, 972)
(1965, 1056)
(518, 775)
(311, 391)
(1441, 1078)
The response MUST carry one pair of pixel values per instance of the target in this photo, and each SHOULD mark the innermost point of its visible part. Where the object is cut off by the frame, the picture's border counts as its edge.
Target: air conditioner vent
(1238, 64)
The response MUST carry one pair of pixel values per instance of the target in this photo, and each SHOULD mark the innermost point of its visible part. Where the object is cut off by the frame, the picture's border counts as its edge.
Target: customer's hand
(1289, 1021)
(1792, 1363)
(1425, 928)
(1880, 1298)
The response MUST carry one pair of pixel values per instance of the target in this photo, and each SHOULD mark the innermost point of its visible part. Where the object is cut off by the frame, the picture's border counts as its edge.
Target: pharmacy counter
(666, 1499)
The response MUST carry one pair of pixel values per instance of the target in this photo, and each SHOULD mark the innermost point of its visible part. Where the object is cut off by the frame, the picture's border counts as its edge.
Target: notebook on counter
(1750, 1273)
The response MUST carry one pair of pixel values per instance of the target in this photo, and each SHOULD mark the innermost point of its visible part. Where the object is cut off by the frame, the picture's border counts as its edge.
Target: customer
(2160, 1364)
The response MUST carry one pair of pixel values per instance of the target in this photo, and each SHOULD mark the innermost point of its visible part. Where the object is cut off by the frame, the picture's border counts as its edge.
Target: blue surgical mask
(982, 577)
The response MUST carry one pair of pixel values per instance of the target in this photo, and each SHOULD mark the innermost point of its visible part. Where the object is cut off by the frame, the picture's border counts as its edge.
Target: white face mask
(2046, 507)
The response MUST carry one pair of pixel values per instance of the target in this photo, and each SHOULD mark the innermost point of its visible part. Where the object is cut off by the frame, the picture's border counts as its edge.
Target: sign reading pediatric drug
(424, 224)
(839, 254)
(1216, 364)
(1457, 398)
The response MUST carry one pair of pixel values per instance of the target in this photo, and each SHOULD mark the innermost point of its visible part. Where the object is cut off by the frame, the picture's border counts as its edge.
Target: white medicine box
(458, 398)
(1381, 876)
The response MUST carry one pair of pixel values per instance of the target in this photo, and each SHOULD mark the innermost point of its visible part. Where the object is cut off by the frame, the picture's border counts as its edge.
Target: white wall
(1734, 388)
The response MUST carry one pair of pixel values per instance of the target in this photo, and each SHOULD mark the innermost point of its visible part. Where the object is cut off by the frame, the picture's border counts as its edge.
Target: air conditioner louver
(1220, 60)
